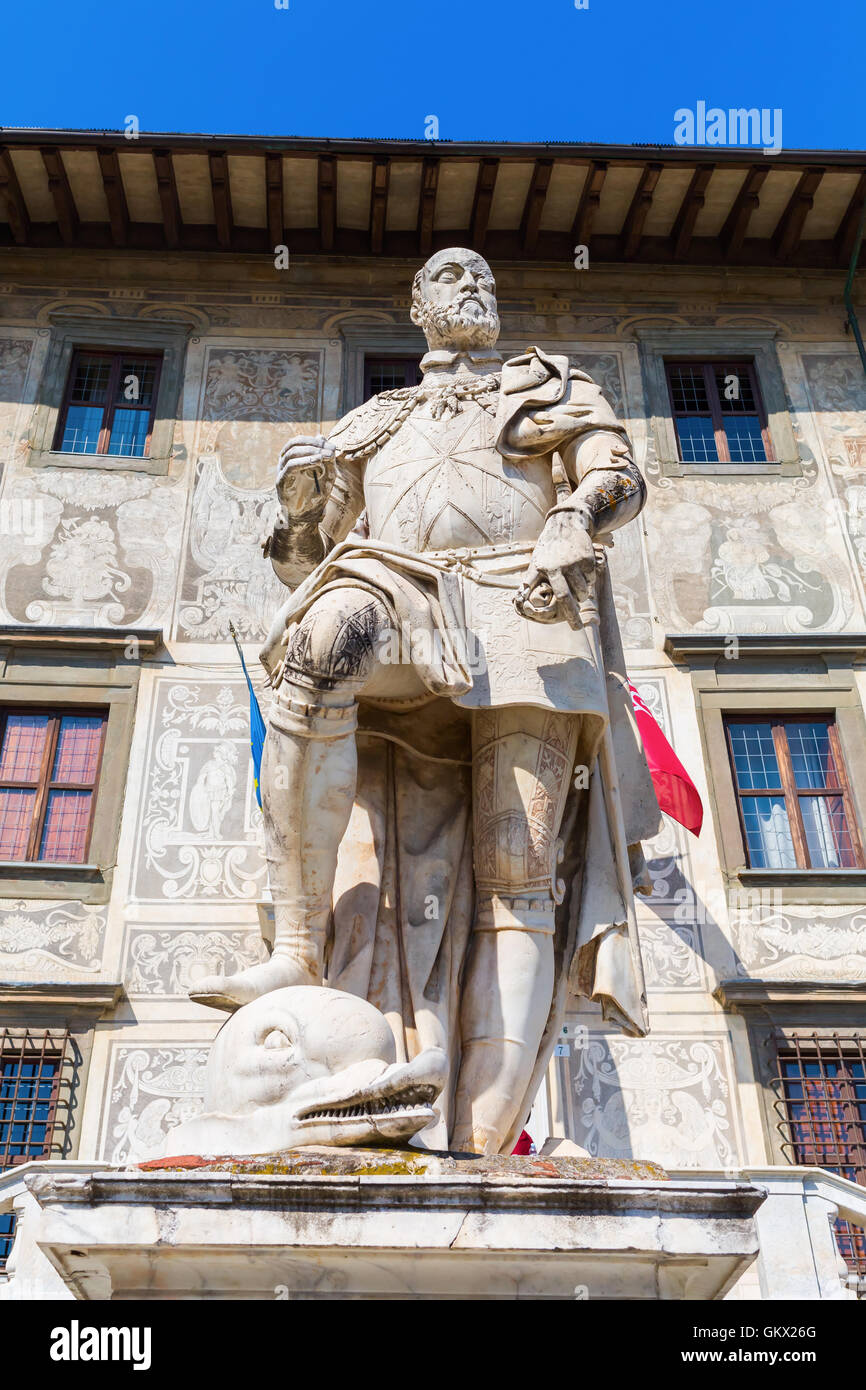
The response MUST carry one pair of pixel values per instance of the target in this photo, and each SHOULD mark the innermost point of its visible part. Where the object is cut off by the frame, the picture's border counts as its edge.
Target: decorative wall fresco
(801, 942)
(151, 1088)
(671, 942)
(199, 830)
(51, 940)
(662, 1098)
(253, 400)
(737, 557)
(166, 962)
(836, 397)
(101, 548)
(15, 355)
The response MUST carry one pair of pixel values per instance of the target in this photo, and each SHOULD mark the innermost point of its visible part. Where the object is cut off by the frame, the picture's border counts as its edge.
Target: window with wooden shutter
(718, 412)
(109, 403)
(50, 761)
(796, 810)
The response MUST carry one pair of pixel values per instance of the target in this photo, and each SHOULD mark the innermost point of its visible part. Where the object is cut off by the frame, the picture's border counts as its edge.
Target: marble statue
(307, 1066)
(454, 789)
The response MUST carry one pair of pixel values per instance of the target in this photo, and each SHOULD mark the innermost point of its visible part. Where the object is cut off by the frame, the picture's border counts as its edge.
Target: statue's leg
(309, 770)
(522, 762)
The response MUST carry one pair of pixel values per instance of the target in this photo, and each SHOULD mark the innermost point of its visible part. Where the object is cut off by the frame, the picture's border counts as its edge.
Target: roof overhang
(648, 204)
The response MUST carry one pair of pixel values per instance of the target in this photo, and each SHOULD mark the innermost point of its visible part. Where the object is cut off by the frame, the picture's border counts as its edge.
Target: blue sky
(491, 70)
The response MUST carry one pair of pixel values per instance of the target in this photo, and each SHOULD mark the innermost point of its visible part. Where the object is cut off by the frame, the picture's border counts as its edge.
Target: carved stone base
(392, 1224)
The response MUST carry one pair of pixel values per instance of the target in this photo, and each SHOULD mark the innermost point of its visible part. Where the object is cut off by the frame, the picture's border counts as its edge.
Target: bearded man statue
(453, 786)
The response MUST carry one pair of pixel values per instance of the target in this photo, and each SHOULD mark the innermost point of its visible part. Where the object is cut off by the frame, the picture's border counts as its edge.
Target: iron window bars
(820, 1090)
(36, 1078)
(389, 374)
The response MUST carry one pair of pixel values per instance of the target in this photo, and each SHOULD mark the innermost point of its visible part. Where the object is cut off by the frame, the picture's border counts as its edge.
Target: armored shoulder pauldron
(365, 429)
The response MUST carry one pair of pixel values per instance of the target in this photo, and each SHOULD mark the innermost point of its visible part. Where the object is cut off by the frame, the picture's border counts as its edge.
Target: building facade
(172, 310)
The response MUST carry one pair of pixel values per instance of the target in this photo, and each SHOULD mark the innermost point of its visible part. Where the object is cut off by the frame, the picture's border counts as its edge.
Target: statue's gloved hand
(305, 475)
(541, 431)
(561, 571)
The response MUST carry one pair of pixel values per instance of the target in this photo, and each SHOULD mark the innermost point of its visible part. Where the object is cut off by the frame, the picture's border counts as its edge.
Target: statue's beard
(463, 325)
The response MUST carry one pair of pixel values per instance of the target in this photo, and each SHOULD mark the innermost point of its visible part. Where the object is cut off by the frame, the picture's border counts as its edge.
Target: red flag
(524, 1144)
(676, 792)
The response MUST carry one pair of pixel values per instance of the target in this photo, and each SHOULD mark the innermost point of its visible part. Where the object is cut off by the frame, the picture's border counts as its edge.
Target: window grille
(821, 1101)
(389, 374)
(36, 1079)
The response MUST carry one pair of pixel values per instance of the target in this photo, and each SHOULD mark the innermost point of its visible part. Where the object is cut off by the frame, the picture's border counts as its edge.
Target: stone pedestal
(393, 1224)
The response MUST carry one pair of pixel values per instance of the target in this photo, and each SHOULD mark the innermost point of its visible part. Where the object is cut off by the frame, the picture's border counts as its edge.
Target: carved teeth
(371, 1109)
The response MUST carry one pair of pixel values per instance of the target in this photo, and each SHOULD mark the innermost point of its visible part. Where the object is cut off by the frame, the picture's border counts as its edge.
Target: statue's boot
(309, 770)
(505, 1007)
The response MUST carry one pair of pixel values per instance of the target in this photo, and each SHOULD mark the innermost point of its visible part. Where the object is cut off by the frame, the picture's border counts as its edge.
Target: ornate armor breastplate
(439, 483)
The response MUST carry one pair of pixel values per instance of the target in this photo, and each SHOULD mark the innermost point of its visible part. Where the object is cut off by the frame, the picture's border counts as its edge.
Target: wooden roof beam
(16, 207)
(843, 244)
(487, 172)
(170, 203)
(733, 233)
(590, 197)
(64, 203)
(684, 222)
(789, 228)
(115, 196)
(534, 205)
(637, 214)
(274, 191)
(222, 197)
(327, 201)
(427, 205)
(379, 203)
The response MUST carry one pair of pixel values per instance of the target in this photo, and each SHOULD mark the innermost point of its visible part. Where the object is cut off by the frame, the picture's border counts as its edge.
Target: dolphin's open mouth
(410, 1102)
(374, 1110)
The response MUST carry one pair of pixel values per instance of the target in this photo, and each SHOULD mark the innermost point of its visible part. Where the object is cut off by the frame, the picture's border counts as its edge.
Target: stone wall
(269, 354)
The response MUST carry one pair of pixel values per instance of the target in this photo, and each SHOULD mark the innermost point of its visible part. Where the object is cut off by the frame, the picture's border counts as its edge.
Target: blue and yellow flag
(257, 724)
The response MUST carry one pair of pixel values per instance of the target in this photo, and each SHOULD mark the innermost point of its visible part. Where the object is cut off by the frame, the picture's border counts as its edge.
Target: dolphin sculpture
(308, 1065)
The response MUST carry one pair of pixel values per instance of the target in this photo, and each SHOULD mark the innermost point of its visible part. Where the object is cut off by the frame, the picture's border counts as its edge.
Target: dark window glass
(109, 404)
(389, 374)
(718, 413)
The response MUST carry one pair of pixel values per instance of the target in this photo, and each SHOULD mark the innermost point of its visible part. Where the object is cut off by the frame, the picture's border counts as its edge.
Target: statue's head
(454, 301)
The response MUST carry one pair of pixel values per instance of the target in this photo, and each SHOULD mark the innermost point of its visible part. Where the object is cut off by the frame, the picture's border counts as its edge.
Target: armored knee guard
(332, 649)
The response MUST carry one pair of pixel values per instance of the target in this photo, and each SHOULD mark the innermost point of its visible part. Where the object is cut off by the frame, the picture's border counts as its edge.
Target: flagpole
(234, 634)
